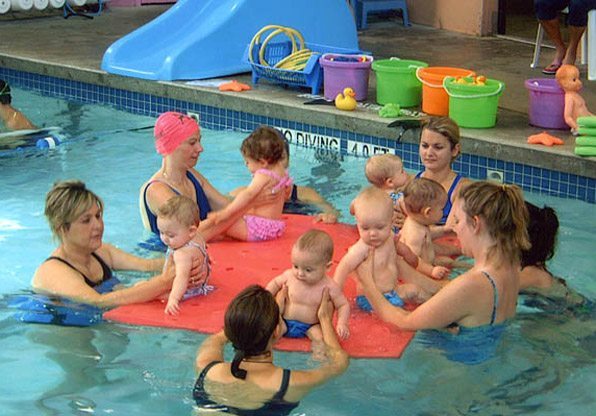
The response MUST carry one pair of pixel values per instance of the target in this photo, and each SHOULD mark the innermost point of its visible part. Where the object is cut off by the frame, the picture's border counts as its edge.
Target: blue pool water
(545, 365)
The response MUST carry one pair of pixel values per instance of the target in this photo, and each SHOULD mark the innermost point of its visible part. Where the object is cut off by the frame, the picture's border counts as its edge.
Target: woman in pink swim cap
(178, 140)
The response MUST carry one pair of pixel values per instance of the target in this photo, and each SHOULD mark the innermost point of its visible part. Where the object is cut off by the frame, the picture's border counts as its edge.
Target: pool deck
(73, 48)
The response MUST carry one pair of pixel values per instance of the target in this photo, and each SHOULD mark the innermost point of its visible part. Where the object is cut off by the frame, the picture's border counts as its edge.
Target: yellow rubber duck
(347, 100)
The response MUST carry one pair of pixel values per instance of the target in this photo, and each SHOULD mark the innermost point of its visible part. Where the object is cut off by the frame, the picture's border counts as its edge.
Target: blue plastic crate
(312, 75)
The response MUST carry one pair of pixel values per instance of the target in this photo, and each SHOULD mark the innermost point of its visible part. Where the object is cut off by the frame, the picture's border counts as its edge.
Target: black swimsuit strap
(285, 383)
(106, 271)
(495, 297)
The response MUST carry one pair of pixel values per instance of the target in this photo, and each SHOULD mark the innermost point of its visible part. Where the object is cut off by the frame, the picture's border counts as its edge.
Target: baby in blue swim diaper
(373, 209)
(305, 283)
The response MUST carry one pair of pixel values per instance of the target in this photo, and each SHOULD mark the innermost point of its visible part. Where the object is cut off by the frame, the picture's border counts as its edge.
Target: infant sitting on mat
(302, 289)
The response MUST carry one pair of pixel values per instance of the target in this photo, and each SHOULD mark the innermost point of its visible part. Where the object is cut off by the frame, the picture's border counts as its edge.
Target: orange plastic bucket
(435, 100)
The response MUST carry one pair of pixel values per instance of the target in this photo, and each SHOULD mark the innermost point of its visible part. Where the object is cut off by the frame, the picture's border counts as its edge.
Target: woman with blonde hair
(490, 221)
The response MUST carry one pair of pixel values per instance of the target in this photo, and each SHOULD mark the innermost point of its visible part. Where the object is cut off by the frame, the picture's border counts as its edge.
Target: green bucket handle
(395, 58)
(490, 94)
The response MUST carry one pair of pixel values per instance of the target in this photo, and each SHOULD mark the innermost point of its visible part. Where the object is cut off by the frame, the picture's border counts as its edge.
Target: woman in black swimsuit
(251, 384)
(80, 269)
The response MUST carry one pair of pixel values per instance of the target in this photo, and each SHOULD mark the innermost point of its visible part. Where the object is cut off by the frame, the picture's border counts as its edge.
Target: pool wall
(342, 140)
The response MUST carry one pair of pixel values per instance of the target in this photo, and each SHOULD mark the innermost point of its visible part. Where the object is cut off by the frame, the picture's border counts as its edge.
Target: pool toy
(347, 100)
(234, 86)
(40, 309)
(545, 139)
(18, 140)
(237, 264)
(587, 121)
(199, 39)
(588, 151)
(575, 106)
(389, 111)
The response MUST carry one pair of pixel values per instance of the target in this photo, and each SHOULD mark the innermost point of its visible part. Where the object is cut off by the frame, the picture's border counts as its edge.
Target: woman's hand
(198, 276)
(281, 297)
(399, 214)
(366, 271)
(325, 312)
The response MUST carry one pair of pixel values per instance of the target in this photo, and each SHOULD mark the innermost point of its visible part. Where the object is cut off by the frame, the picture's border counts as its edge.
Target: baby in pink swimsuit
(263, 151)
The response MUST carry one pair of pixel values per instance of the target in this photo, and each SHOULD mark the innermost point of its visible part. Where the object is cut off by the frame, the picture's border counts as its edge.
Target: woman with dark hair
(251, 384)
(535, 278)
(12, 118)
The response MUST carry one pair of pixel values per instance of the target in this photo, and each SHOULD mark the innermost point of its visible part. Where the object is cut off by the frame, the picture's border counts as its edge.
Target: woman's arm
(303, 381)
(121, 260)
(211, 350)
(310, 196)
(57, 279)
(450, 304)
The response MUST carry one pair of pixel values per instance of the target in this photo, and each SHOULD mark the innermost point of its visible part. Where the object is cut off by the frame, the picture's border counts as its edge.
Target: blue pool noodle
(198, 39)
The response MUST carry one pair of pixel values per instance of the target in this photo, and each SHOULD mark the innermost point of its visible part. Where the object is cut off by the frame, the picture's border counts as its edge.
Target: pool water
(544, 366)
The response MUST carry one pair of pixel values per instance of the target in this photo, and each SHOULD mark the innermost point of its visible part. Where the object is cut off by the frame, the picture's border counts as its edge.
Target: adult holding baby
(178, 141)
(490, 222)
(251, 384)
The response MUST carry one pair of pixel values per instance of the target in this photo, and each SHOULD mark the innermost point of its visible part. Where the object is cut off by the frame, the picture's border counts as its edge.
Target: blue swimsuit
(201, 197)
(472, 345)
(276, 406)
(447, 207)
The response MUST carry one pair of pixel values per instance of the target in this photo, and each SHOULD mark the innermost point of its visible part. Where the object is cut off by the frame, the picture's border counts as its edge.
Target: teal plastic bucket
(474, 106)
(397, 82)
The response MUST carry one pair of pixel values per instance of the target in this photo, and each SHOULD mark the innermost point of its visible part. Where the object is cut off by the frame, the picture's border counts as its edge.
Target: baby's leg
(412, 293)
(238, 230)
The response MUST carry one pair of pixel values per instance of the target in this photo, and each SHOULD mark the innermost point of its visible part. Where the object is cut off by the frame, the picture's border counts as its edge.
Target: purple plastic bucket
(547, 103)
(342, 71)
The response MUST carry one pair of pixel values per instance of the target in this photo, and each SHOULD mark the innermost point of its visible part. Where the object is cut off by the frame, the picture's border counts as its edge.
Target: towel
(21, 5)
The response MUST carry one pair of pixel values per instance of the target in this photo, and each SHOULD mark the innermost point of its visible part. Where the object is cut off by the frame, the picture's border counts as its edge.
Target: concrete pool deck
(73, 48)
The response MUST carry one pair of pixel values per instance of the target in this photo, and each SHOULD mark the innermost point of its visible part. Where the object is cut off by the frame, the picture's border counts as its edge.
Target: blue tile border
(530, 178)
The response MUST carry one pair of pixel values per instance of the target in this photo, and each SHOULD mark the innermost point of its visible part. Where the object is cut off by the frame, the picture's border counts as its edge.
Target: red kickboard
(237, 264)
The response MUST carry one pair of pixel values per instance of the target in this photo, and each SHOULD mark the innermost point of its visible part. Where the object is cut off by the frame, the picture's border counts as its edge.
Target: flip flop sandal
(551, 69)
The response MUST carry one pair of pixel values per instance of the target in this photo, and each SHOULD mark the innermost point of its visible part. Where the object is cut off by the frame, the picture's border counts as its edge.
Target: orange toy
(234, 86)
(545, 139)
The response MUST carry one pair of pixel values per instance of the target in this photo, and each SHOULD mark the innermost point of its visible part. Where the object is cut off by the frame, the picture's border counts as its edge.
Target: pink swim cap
(171, 129)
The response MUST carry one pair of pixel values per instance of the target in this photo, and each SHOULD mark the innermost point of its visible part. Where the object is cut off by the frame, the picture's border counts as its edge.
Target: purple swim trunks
(263, 229)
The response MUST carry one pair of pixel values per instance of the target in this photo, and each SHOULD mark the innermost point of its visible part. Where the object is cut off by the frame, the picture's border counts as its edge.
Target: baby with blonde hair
(178, 222)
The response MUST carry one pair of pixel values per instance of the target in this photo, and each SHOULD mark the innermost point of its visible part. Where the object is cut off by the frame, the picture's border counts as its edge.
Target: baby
(305, 282)
(178, 222)
(387, 173)
(373, 210)
(424, 200)
(264, 154)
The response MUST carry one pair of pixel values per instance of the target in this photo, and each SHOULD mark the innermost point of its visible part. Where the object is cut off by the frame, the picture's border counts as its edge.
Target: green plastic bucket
(474, 106)
(397, 82)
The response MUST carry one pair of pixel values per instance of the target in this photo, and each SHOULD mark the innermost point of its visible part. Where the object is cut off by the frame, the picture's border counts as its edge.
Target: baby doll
(568, 78)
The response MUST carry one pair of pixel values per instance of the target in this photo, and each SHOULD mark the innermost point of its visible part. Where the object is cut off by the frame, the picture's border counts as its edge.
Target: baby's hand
(440, 272)
(343, 331)
(172, 308)
(326, 218)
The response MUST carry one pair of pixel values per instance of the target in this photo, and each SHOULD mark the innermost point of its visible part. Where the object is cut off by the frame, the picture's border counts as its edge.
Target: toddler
(264, 154)
(373, 210)
(424, 200)
(305, 282)
(178, 222)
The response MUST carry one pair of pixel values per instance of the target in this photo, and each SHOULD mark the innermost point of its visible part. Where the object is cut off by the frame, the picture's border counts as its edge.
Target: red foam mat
(239, 264)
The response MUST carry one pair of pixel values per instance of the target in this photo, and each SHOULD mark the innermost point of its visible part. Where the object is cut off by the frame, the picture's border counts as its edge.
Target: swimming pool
(545, 365)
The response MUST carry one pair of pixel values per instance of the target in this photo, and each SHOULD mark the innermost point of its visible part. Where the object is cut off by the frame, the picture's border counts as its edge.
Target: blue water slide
(198, 39)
